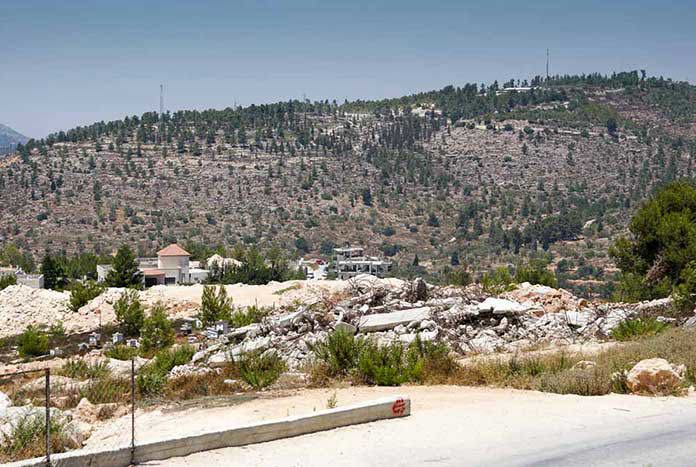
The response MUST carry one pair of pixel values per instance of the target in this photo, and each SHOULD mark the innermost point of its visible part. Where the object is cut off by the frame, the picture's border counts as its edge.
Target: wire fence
(48, 411)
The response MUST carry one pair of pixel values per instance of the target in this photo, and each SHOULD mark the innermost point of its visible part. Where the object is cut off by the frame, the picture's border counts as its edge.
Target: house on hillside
(172, 266)
(35, 281)
(351, 261)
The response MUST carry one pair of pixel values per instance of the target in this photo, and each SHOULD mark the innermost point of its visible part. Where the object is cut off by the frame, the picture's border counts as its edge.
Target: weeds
(339, 352)
(121, 352)
(636, 328)
(250, 315)
(152, 377)
(32, 342)
(260, 370)
(82, 369)
(107, 390)
(27, 439)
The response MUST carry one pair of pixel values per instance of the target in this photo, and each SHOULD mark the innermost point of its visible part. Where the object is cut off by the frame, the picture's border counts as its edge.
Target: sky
(66, 63)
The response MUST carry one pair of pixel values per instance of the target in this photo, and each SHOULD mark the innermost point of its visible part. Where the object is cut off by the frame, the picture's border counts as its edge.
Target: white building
(352, 261)
(172, 266)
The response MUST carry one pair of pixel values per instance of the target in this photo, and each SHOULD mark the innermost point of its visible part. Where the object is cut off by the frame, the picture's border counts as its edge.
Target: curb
(379, 409)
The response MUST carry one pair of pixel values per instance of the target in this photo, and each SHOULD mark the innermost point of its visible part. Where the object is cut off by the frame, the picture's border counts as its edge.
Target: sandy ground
(503, 404)
(451, 426)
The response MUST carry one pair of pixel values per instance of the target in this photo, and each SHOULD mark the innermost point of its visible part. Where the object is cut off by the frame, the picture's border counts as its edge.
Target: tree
(367, 197)
(130, 313)
(454, 259)
(612, 126)
(82, 293)
(215, 305)
(660, 256)
(157, 331)
(53, 274)
(124, 271)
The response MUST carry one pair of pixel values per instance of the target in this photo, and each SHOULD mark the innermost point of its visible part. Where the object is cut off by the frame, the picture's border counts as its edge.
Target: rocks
(500, 306)
(188, 370)
(5, 401)
(60, 385)
(655, 376)
(384, 321)
(346, 327)
(122, 368)
(584, 365)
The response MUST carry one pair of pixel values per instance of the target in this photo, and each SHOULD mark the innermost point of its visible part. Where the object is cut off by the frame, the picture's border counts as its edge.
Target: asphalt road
(462, 427)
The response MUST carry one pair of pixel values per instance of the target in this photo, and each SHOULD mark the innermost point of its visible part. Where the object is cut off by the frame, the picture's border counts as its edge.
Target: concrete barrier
(380, 409)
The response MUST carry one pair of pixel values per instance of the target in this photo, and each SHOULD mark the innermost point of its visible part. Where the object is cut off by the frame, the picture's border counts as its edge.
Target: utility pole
(547, 64)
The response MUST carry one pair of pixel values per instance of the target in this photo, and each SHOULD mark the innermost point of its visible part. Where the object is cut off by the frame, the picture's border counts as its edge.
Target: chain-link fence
(48, 411)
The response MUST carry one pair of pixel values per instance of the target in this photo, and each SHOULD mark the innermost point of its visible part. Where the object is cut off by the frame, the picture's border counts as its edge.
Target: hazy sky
(69, 62)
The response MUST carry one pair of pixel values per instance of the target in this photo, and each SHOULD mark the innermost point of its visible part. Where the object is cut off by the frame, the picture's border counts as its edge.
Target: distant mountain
(9, 139)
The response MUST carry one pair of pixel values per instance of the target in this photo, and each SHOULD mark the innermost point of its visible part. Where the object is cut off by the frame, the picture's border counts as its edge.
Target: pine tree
(124, 271)
(52, 272)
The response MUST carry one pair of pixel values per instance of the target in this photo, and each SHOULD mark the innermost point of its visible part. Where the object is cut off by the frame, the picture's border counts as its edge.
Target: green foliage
(157, 331)
(27, 438)
(130, 313)
(121, 352)
(153, 376)
(459, 276)
(82, 292)
(498, 281)
(535, 273)
(124, 270)
(106, 390)
(250, 315)
(256, 268)
(52, 270)
(260, 370)
(636, 328)
(82, 369)
(7, 280)
(339, 352)
(663, 245)
(32, 342)
(215, 305)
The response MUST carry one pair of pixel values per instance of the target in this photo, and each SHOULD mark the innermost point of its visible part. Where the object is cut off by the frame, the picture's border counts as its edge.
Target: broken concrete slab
(501, 306)
(384, 321)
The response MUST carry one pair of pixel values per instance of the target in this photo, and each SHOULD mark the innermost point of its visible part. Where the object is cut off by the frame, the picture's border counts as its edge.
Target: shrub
(157, 331)
(152, 377)
(635, 328)
(7, 280)
(260, 370)
(252, 314)
(121, 352)
(130, 313)
(498, 281)
(588, 382)
(339, 352)
(82, 293)
(106, 390)
(83, 369)
(27, 439)
(215, 306)
(32, 342)
(536, 273)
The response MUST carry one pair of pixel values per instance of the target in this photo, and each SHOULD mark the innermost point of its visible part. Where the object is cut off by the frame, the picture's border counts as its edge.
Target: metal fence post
(132, 410)
(48, 416)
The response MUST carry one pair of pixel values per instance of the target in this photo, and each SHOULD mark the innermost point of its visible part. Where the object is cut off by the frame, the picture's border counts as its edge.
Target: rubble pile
(465, 319)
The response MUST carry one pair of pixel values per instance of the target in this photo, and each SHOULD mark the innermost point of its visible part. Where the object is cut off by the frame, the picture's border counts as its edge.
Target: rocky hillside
(477, 175)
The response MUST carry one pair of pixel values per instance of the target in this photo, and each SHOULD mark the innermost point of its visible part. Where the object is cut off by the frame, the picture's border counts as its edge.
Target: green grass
(107, 390)
(122, 352)
(83, 369)
(637, 328)
(250, 315)
(152, 377)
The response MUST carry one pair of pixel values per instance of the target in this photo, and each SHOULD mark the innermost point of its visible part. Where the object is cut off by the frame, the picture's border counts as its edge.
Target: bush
(130, 313)
(536, 273)
(121, 352)
(215, 306)
(83, 369)
(82, 293)
(152, 377)
(157, 331)
(635, 328)
(260, 370)
(32, 342)
(27, 439)
(339, 352)
(383, 365)
(498, 281)
(252, 314)
(107, 390)
(7, 280)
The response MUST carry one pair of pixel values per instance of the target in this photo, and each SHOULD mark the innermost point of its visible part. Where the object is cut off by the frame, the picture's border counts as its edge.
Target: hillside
(9, 139)
(475, 175)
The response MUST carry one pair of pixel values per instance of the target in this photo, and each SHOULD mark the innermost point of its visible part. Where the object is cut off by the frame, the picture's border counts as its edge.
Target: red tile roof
(173, 250)
(153, 272)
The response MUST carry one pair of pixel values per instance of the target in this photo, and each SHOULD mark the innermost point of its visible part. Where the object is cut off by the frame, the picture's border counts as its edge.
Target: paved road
(456, 427)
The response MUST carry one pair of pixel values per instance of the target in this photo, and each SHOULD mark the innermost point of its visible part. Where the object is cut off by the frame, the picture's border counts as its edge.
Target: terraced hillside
(475, 175)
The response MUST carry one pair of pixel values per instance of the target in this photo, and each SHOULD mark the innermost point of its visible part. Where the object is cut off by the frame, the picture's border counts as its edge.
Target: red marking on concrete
(399, 407)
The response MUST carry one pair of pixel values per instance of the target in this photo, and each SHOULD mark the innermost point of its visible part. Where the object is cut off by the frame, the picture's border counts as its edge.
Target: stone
(86, 411)
(690, 323)
(122, 368)
(486, 342)
(219, 359)
(290, 318)
(421, 291)
(385, 321)
(584, 365)
(655, 376)
(5, 401)
(261, 343)
(60, 385)
(501, 306)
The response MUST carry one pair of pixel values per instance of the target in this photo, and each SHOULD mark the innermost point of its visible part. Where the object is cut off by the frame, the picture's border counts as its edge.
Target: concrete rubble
(466, 319)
